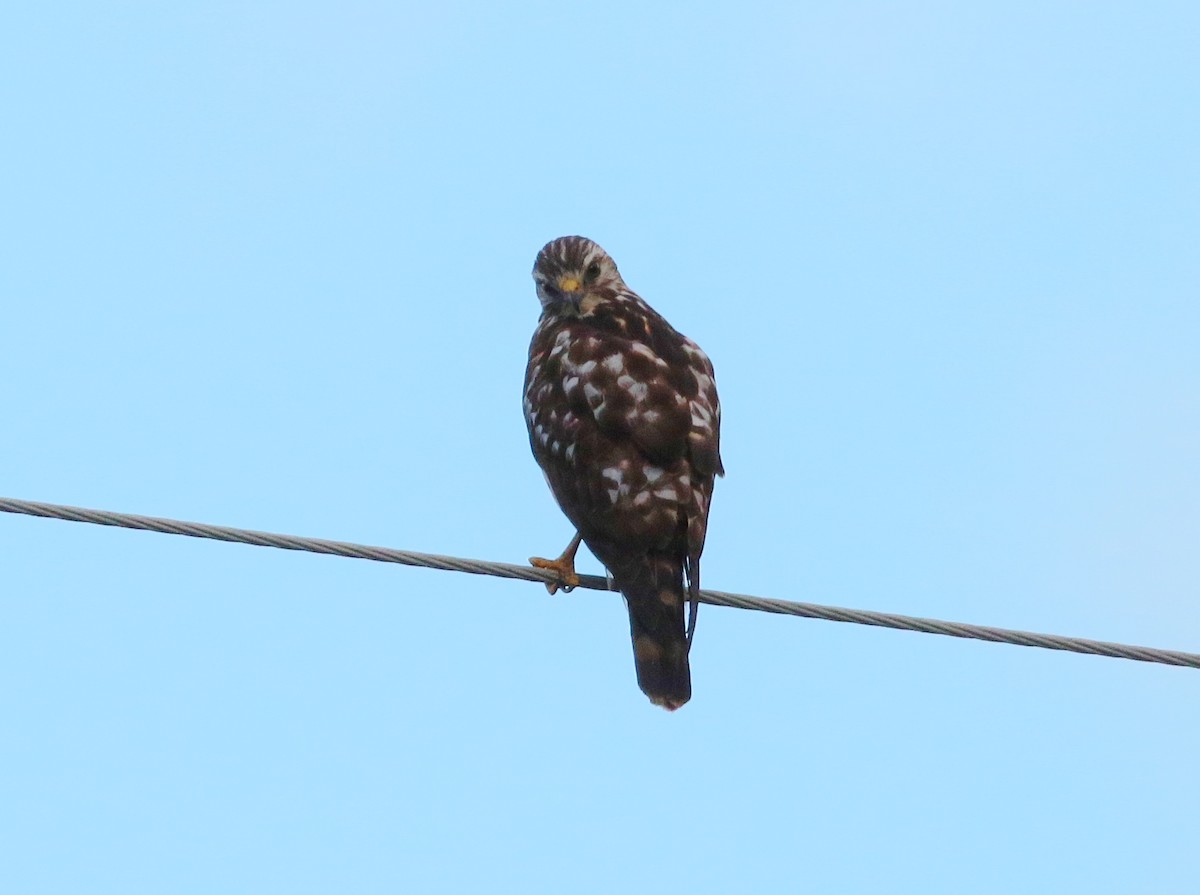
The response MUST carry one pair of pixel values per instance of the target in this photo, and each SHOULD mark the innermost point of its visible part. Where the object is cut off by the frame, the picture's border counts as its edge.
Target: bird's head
(574, 276)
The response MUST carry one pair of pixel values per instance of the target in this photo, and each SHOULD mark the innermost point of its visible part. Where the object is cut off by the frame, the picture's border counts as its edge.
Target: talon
(564, 567)
(565, 571)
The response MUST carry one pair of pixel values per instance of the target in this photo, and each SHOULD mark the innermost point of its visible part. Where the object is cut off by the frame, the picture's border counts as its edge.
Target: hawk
(624, 421)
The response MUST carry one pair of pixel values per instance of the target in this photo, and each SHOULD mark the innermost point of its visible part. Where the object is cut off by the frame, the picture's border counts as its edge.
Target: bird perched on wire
(624, 421)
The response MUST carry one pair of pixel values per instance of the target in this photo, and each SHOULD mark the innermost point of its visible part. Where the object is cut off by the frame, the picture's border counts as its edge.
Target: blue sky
(267, 265)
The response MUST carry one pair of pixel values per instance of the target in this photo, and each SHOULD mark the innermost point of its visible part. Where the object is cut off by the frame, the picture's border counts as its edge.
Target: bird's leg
(564, 566)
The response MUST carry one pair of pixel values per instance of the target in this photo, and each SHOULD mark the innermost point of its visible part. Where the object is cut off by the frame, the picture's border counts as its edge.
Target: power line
(595, 582)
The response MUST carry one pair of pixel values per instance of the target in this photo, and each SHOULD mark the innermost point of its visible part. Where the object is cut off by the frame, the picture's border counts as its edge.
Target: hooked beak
(567, 294)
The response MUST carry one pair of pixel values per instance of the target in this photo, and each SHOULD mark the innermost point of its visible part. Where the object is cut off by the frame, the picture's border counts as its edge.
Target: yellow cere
(568, 284)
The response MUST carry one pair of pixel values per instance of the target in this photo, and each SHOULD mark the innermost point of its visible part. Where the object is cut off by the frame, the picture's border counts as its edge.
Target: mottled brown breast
(618, 408)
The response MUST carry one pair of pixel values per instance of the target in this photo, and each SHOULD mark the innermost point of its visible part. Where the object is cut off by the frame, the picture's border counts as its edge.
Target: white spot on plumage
(570, 383)
(594, 396)
(586, 368)
(653, 474)
(614, 363)
(637, 389)
(644, 350)
(668, 493)
(612, 494)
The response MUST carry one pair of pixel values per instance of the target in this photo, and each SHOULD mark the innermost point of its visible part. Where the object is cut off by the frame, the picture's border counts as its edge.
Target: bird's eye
(592, 273)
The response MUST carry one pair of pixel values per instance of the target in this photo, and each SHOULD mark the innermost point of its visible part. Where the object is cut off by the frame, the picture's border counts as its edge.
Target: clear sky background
(267, 265)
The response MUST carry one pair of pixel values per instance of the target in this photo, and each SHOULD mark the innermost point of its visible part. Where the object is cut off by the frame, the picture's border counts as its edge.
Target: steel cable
(595, 582)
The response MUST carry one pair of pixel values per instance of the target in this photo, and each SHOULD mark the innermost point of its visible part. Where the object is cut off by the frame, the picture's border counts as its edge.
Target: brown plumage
(624, 421)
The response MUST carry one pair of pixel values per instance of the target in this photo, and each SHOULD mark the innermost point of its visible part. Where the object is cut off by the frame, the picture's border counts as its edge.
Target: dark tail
(653, 588)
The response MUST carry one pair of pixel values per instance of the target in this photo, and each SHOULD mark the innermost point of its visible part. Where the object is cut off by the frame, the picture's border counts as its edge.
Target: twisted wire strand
(595, 582)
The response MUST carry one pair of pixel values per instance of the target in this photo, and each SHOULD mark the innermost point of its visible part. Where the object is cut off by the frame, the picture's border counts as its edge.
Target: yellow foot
(564, 566)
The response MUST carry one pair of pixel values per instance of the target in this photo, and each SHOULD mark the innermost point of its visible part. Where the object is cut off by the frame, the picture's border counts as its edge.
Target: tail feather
(652, 585)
